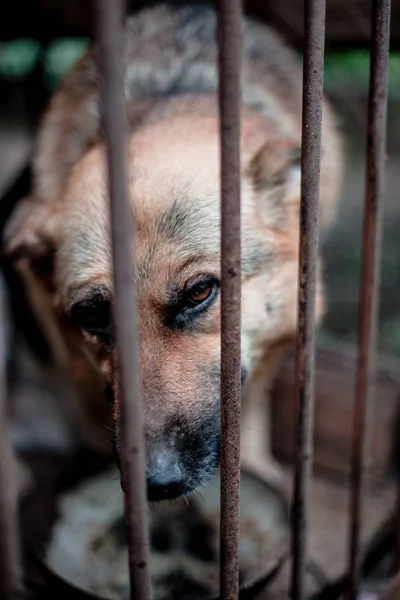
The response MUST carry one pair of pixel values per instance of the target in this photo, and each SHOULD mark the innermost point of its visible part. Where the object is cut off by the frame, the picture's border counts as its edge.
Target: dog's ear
(275, 174)
(30, 234)
(29, 231)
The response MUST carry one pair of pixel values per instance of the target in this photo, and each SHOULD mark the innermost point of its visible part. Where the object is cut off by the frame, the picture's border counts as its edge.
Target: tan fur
(173, 165)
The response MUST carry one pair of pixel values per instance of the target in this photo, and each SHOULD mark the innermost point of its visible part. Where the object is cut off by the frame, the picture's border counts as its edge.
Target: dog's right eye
(192, 302)
(93, 315)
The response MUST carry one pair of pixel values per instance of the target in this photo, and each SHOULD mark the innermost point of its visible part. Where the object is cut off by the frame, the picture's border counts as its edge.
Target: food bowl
(86, 548)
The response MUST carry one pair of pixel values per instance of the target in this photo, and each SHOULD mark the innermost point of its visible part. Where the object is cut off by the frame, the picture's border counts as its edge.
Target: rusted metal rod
(229, 37)
(368, 304)
(313, 71)
(10, 563)
(110, 17)
(397, 529)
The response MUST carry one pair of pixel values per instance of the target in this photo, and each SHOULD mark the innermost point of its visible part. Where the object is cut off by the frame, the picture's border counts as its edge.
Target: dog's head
(174, 194)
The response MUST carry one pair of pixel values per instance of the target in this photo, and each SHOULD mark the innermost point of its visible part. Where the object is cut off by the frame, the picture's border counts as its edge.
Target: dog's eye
(193, 302)
(94, 316)
(199, 293)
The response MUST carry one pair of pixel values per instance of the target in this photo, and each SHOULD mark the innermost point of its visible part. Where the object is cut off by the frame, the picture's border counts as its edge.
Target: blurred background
(39, 41)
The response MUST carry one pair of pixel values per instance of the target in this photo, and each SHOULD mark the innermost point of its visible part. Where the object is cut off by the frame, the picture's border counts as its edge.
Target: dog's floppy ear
(275, 174)
(30, 233)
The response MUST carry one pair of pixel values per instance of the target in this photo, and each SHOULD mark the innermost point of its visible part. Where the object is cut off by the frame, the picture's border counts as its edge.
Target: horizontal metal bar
(313, 70)
(110, 15)
(229, 36)
(369, 289)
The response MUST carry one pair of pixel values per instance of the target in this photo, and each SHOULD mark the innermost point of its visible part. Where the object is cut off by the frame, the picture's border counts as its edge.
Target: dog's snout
(179, 458)
(165, 477)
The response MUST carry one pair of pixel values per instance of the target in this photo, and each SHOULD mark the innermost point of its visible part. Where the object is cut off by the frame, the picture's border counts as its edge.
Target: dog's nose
(164, 476)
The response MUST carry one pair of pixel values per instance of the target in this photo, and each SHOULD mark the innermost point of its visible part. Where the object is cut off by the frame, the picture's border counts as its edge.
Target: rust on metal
(368, 304)
(397, 530)
(110, 17)
(395, 457)
(313, 69)
(10, 563)
(229, 38)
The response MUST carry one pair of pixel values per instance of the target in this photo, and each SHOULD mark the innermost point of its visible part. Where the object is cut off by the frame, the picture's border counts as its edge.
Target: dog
(59, 236)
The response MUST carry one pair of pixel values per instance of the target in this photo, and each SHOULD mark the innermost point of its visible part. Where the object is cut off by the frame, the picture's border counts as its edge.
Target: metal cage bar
(369, 289)
(397, 529)
(10, 559)
(313, 69)
(110, 18)
(229, 38)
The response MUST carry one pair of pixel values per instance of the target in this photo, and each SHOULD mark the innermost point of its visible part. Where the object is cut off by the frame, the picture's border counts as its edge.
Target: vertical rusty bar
(10, 563)
(368, 304)
(110, 17)
(229, 38)
(395, 465)
(397, 530)
(313, 71)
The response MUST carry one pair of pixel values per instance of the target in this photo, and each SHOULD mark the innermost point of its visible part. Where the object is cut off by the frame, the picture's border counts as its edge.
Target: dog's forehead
(179, 214)
(178, 232)
(175, 211)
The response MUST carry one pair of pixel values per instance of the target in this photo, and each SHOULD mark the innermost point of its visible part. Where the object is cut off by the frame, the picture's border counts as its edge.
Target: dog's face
(174, 196)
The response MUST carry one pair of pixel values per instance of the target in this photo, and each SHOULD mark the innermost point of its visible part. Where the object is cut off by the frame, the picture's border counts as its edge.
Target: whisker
(108, 428)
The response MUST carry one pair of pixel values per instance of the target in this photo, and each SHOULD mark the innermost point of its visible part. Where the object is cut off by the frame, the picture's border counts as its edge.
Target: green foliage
(18, 58)
(353, 67)
(61, 57)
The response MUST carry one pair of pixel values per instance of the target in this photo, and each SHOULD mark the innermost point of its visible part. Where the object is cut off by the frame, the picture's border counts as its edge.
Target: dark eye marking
(93, 315)
(191, 303)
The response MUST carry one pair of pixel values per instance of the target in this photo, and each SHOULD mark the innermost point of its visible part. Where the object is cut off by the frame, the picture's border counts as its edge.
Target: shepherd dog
(59, 236)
